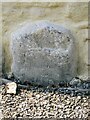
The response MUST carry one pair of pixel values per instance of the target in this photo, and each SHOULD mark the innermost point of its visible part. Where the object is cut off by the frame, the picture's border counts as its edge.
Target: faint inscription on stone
(43, 53)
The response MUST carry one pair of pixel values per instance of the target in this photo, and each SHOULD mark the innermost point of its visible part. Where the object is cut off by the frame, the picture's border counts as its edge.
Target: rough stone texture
(1, 115)
(0, 60)
(46, 103)
(72, 15)
(0, 40)
(43, 53)
(11, 88)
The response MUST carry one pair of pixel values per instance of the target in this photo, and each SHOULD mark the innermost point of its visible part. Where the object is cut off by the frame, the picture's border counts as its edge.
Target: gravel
(38, 102)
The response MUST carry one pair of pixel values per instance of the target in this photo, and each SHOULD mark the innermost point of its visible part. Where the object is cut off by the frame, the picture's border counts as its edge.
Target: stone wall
(73, 16)
(0, 39)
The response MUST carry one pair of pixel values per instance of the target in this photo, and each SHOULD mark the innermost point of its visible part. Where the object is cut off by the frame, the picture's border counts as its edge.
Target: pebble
(42, 104)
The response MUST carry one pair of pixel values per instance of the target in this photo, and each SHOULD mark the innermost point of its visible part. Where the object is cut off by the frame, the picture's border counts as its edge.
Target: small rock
(75, 82)
(37, 96)
(68, 102)
(79, 97)
(11, 88)
(86, 104)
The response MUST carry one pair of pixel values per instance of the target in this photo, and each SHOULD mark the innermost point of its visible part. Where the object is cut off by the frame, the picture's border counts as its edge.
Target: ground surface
(44, 103)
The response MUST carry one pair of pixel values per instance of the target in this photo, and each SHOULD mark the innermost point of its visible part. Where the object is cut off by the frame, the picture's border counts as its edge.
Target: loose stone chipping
(45, 103)
(43, 54)
(11, 88)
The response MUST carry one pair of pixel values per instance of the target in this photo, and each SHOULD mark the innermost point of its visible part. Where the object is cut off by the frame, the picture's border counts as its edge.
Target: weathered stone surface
(11, 88)
(0, 60)
(67, 13)
(43, 53)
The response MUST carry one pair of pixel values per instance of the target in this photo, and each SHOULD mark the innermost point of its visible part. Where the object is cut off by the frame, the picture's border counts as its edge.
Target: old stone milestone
(43, 53)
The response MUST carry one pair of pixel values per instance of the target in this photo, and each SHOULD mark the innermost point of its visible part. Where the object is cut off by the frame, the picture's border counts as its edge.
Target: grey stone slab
(43, 53)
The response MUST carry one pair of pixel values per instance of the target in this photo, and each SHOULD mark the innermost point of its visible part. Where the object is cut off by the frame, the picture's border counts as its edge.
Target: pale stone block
(43, 53)
(11, 88)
